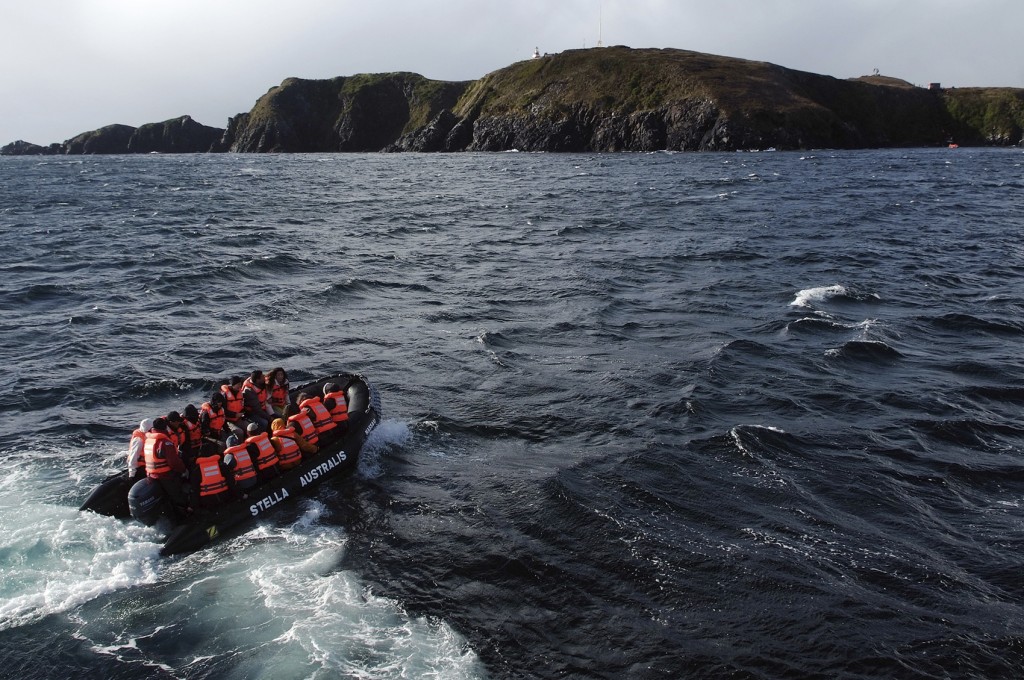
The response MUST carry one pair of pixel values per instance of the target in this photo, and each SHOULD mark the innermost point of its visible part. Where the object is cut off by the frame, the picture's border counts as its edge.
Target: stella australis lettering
(329, 464)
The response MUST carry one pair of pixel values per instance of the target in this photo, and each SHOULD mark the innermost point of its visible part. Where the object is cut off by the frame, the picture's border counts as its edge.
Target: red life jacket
(306, 427)
(217, 418)
(339, 414)
(267, 456)
(244, 469)
(261, 393)
(279, 395)
(232, 403)
(319, 414)
(289, 454)
(140, 436)
(156, 462)
(211, 479)
(194, 433)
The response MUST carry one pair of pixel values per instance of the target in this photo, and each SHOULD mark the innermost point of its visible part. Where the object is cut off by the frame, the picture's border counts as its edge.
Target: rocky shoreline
(601, 99)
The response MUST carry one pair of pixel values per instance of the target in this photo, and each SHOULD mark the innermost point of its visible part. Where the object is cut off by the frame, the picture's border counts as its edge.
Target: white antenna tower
(600, 24)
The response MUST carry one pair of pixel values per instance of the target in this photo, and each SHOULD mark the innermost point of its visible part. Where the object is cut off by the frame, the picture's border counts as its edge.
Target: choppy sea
(746, 415)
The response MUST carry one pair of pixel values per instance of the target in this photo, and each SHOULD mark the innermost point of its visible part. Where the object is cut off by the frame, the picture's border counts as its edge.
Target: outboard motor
(146, 501)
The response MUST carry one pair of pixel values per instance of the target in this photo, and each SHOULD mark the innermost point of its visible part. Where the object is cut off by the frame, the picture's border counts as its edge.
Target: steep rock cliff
(179, 135)
(357, 113)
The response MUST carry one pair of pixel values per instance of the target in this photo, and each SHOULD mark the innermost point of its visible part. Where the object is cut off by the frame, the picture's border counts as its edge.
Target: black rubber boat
(335, 459)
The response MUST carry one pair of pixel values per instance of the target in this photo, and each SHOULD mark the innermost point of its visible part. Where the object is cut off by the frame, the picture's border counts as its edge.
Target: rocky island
(600, 99)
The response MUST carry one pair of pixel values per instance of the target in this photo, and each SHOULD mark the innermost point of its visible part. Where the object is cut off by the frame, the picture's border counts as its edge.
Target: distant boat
(954, 145)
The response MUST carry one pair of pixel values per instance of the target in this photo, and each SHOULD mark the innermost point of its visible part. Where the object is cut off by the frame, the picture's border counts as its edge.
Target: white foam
(387, 435)
(54, 558)
(811, 295)
(305, 616)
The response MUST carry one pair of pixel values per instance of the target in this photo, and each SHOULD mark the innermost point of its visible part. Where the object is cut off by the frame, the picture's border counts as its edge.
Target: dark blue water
(646, 416)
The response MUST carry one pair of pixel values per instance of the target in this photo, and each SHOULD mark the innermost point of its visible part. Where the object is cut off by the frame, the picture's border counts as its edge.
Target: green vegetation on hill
(987, 115)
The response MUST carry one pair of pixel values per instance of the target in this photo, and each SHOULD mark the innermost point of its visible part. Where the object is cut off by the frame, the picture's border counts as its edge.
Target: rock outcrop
(178, 135)
(602, 99)
(108, 139)
(23, 148)
(357, 113)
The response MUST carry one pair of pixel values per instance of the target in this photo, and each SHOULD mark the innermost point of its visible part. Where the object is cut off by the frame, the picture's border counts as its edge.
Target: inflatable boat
(336, 458)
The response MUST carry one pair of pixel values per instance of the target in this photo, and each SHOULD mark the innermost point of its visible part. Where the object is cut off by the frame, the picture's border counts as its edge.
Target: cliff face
(603, 99)
(180, 135)
(359, 113)
(109, 139)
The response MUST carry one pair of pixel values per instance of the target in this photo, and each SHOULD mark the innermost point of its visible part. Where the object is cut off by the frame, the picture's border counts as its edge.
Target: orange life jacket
(340, 411)
(289, 454)
(261, 393)
(211, 479)
(232, 403)
(306, 427)
(319, 414)
(156, 463)
(244, 469)
(279, 395)
(140, 436)
(194, 433)
(217, 418)
(267, 456)
(176, 435)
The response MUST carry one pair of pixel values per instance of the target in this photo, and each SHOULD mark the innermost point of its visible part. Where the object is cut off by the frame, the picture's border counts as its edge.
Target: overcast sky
(70, 66)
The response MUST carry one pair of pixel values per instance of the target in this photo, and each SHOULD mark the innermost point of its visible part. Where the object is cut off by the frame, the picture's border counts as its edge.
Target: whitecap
(811, 295)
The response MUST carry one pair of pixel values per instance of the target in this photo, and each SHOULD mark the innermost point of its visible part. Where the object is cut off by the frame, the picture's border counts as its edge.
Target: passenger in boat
(336, 402)
(193, 430)
(165, 466)
(277, 384)
(261, 449)
(176, 429)
(318, 413)
(231, 391)
(212, 478)
(256, 400)
(136, 455)
(242, 470)
(303, 424)
(213, 418)
(288, 444)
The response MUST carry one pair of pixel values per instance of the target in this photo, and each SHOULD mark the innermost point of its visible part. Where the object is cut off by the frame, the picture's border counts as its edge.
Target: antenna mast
(600, 24)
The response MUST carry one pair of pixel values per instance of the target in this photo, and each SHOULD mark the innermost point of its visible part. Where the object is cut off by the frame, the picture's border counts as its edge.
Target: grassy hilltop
(618, 98)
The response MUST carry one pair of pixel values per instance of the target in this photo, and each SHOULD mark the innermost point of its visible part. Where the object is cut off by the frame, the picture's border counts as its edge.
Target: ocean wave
(866, 350)
(751, 439)
(996, 393)
(970, 432)
(370, 286)
(809, 297)
(816, 324)
(968, 323)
